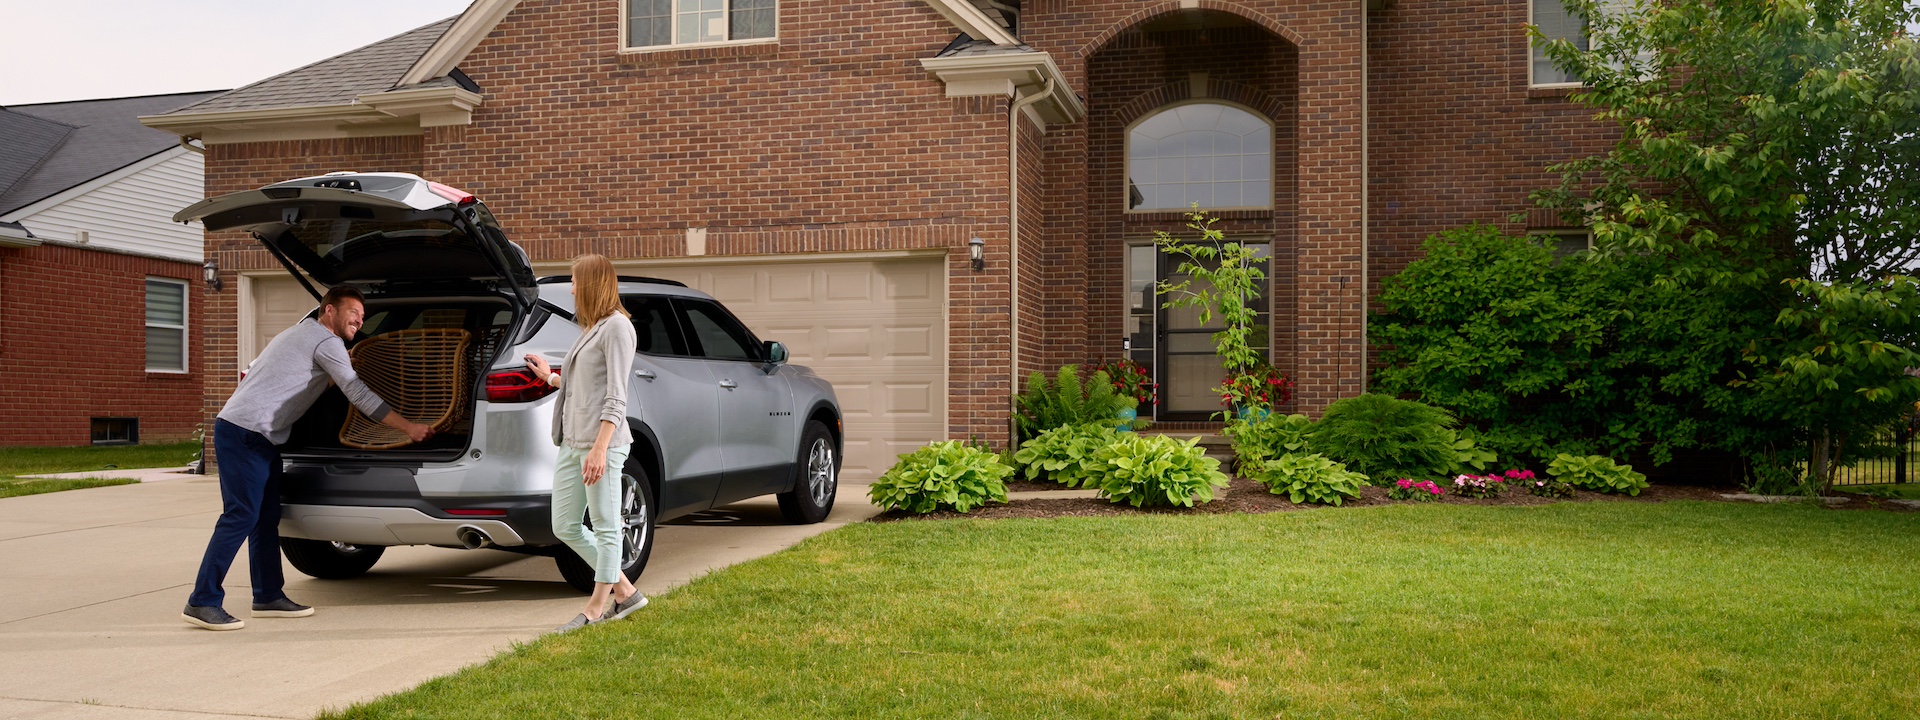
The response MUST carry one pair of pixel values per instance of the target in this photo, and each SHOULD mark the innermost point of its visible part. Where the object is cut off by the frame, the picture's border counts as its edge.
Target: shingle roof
(335, 80)
(51, 147)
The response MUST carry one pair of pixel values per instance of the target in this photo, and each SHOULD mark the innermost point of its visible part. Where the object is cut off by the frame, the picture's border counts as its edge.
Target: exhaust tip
(473, 538)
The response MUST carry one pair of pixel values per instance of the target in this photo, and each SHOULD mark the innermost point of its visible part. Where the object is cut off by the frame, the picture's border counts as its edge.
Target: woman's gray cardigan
(593, 385)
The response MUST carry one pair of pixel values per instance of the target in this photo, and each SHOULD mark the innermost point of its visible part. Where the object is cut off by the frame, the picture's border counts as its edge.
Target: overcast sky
(86, 49)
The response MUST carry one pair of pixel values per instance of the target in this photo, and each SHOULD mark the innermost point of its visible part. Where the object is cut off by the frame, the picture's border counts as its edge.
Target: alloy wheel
(820, 479)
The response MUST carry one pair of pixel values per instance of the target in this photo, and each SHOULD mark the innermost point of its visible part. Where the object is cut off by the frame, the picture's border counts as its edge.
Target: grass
(1906, 491)
(1576, 610)
(18, 461)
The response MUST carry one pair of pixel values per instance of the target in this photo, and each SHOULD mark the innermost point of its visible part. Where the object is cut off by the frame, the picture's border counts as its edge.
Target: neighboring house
(827, 169)
(99, 288)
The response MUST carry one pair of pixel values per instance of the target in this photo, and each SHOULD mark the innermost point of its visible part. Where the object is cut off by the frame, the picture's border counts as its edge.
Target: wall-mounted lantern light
(211, 273)
(977, 249)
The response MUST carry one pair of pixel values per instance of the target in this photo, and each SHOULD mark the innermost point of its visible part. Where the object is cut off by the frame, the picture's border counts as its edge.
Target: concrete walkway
(92, 582)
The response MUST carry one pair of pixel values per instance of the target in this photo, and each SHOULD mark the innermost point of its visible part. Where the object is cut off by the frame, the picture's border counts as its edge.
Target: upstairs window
(669, 23)
(1214, 154)
(1556, 23)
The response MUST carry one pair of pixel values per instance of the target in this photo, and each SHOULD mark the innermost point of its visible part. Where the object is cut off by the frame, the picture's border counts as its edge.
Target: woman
(590, 426)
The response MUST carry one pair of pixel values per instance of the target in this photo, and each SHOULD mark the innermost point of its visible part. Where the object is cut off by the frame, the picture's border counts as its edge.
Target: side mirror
(775, 352)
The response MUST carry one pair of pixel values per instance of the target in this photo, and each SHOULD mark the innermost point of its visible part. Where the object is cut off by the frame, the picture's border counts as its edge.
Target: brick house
(827, 170)
(98, 286)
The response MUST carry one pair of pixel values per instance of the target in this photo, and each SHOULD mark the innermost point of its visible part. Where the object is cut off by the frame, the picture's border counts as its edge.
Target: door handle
(729, 384)
(643, 374)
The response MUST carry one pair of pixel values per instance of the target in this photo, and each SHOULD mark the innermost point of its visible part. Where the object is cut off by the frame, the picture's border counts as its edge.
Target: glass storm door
(1173, 344)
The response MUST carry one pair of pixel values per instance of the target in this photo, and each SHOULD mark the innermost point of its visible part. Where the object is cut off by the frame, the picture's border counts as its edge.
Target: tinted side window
(654, 329)
(719, 336)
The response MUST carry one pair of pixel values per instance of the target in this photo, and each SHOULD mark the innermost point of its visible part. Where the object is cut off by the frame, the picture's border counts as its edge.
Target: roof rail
(551, 279)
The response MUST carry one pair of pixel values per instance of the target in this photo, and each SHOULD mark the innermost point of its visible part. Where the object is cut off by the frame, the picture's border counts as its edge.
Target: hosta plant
(942, 475)
(1256, 441)
(1421, 491)
(1064, 454)
(1472, 454)
(1479, 486)
(1156, 470)
(1309, 478)
(1597, 473)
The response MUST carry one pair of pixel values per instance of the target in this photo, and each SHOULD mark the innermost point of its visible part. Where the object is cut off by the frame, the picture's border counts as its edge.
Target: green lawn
(1576, 610)
(1907, 491)
(37, 460)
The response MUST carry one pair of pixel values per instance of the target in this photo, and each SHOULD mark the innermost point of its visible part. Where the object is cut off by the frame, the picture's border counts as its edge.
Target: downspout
(1366, 205)
(1013, 232)
(186, 141)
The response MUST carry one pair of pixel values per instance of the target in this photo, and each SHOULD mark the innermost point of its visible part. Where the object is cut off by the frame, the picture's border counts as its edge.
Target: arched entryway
(1188, 107)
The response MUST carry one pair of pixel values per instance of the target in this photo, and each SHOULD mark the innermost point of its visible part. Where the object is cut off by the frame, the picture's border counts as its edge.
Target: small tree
(1767, 153)
(1228, 276)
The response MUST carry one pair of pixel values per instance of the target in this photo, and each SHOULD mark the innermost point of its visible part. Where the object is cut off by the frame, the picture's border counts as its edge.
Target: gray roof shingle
(336, 80)
(51, 147)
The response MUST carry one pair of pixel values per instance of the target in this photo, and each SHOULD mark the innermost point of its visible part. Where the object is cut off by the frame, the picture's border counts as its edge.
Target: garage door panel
(277, 303)
(875, 329)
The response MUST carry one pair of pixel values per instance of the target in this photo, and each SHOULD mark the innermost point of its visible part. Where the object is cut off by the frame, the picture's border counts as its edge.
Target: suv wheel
(636, 532)
(811, 498)
(330, 560)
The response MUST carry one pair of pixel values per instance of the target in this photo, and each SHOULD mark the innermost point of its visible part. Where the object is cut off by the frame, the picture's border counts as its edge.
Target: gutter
(1013, 227)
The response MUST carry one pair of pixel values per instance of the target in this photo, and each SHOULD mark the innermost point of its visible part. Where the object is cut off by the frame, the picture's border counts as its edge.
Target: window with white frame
(1214, 154)
(166, 325)
(1566, 243)
(667, 23)
(1556, 23)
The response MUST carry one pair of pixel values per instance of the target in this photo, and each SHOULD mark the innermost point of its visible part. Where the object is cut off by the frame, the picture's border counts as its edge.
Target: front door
(1173, 344)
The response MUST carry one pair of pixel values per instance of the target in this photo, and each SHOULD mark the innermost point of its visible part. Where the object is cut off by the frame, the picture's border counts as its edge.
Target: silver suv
(718, 415)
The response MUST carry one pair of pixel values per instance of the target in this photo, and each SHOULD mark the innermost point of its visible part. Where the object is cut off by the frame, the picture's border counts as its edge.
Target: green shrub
(1268, 438)
(1386, 438)
(943, 474)
(1064, 454)
(1597, 473)
(1467, 447)
(1309, 478)
(1156, 470)
(1069, 401)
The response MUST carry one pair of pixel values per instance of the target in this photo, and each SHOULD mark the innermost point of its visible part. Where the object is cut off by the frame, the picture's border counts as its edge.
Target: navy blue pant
(250, 499)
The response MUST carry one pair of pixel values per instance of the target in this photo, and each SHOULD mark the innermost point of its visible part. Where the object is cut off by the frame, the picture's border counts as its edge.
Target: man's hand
(418, 432)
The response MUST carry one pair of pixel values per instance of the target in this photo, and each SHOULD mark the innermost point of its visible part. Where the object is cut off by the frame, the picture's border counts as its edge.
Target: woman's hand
(594, 466)
(538, 365)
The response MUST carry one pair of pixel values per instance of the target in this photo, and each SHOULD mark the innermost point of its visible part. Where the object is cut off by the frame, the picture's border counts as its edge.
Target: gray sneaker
(619, 610)
(281, 608)
(211, 618)
(578, 621)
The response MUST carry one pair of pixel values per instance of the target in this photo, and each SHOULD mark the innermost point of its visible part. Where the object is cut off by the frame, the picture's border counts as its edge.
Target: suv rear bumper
(364, 525)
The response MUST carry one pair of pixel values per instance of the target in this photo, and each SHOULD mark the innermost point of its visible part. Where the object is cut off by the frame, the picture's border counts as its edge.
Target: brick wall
(73, 337)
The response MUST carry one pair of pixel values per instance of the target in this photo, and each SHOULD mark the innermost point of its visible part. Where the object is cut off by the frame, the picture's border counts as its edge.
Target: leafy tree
(1766, 155)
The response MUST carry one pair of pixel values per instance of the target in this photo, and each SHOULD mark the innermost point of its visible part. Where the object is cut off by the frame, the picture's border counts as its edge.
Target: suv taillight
(517, 385)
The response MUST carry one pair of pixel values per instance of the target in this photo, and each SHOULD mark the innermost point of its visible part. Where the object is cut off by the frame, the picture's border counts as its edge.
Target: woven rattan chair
(420, 375)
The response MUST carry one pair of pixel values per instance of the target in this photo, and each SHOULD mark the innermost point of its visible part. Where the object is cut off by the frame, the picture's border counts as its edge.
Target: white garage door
(277, 303)
(875, 329)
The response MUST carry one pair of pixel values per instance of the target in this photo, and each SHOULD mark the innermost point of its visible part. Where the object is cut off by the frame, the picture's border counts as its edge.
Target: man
(288, 376)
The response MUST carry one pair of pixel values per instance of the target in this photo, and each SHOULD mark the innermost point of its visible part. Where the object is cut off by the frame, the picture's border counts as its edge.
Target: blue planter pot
(1251, 414)
(1127, 416)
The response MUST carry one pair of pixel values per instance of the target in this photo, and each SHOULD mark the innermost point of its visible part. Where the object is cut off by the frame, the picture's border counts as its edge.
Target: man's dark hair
(338, 293)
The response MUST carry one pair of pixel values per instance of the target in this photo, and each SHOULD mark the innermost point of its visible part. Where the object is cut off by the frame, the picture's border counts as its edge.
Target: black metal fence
(1902, 467)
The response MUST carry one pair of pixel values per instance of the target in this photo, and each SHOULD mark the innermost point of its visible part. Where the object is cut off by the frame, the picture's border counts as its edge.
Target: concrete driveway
(92, 582)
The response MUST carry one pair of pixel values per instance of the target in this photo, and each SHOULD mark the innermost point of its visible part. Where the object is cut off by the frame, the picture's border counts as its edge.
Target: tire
(637, 511)
(330, 560)
(811, 498)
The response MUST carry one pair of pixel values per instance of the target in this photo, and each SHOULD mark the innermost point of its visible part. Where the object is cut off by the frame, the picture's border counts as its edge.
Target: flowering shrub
(1131, 379)
(1404, 489)
(1262, 387)
(1479, 486)
(1544, 487)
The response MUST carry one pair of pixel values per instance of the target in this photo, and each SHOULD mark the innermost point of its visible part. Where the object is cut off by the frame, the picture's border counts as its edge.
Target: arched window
(1214, 154)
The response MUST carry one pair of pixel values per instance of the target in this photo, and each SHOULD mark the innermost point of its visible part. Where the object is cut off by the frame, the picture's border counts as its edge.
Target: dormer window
(655, 24)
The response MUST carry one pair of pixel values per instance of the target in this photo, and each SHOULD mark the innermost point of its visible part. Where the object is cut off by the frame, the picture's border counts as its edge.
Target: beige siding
(133, 211)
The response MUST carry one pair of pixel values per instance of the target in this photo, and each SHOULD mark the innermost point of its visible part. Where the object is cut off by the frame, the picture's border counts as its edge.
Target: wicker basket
(418, 373)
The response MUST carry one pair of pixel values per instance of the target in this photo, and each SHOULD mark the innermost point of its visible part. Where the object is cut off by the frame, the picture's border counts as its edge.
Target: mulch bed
(1247, 496)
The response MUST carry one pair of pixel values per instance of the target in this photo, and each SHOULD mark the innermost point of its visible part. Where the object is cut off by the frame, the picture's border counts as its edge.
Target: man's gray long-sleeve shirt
(289, 375)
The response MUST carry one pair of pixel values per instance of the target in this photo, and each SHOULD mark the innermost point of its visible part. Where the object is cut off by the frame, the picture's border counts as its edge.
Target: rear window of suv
(654, 330)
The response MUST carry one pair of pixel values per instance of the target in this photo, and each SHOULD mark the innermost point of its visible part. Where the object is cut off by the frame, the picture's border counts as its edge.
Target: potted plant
(1253, 393)
(1228, 276)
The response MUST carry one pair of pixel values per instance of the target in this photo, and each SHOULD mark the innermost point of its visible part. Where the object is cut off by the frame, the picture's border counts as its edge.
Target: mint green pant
(600, 547)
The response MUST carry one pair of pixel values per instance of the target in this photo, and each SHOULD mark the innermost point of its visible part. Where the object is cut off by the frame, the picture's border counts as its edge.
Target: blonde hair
(596, 293)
